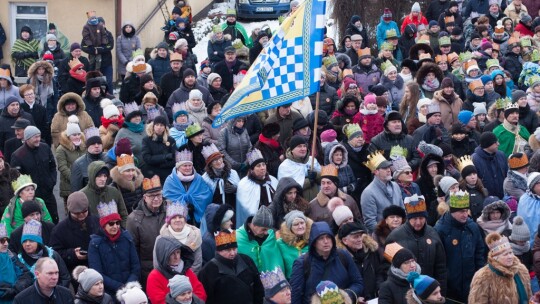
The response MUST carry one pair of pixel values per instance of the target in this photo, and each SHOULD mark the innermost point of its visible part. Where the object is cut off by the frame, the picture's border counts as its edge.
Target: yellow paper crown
(151, 183)
(463, 162)
(459, 200)
(535, 55)
(502, 102)
(391, 33)
(490, 63)
(390, 251)
(374, 160)
(387, 46)
(224, 238)
(124, 159)
(22, 181)
(329, 170)
(423, 39)
(415, 204)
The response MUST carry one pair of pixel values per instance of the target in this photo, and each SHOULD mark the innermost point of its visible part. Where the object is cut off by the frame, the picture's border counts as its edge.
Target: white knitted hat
(73, 126)
(341, 213)
(109, 109)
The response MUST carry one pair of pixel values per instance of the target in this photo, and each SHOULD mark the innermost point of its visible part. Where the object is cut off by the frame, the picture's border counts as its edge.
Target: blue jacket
(382, 27)
(465, 254)
(160, 66)
(529, 208)
(346, 277)
(117, 262)
(491, 169)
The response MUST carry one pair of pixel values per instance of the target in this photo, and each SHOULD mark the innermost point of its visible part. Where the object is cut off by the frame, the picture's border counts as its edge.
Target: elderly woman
(196, 107)
(150, 108)
(288, 197)
(33, 249)
(158, 148)
(212, 134)
(171, 258)
(128, 180)
(234, 143)
(393, 217)
(220, 177)
(72, 146)
(504, 277)
(111, 122)
(176, 226)
(69, 104)
(180, 123)
(91, 289)
(185, 185)
(495, 217)
(218, 217)
(24, 191)
(111, 251)
(294, 238)
(133, 129)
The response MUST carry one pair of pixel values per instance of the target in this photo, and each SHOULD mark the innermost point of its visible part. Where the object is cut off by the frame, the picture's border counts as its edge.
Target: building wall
(70, 16)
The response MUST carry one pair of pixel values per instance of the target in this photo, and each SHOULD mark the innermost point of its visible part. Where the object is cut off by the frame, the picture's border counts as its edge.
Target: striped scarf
(25, 46)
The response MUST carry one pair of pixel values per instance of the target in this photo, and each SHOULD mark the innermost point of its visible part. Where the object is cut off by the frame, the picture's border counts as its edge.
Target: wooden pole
(314, 133)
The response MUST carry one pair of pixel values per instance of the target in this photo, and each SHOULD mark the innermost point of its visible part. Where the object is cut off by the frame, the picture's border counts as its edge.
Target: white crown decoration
(130, 107)
(272, 278)
(91, 132)
(208, 150)
(184, 155)
(151, 114)
(106, 209)
(254, 155)
(3, 231)
(176, 208)
(434, 108)
(399, 163)
(510, 106)
(33, 227)
(178, 107)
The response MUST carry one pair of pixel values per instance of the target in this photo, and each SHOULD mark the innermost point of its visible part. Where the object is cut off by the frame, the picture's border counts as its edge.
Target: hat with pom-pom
(520, 230)
(497, 244)
(341, 214)
(86, 277)
(423, 285)
(131, 294)
(73, 126)
(109, 109)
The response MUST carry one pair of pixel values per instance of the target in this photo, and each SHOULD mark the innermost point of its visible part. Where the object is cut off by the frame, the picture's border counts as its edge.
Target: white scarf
(182, 235)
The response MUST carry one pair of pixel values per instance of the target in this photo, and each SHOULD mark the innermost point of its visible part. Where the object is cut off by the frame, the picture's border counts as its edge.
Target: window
(33, 15)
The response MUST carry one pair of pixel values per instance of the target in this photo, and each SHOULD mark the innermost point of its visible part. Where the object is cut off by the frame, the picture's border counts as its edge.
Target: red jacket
(523, 30)
(416, 21)
(371, 124)
(157, 289)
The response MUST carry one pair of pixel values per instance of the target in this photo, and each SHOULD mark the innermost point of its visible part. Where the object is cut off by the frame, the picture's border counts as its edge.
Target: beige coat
(60, 119)
(449, 112)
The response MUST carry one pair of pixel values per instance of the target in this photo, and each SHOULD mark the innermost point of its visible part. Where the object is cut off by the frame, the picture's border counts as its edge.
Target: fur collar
(322, 199)
(290, 238)
(68, 145)
(127, 185)
(370, 245)
(506, 271)
(194, 239)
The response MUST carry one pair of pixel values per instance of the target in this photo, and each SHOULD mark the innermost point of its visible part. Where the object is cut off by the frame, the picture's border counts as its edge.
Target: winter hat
(123, 146)
(293, 215)
(468, 170)
(423, 285)
(20, 123)
(30, 207)
(86, 277)
(486, 79)
(263, 218)
(394, 210)
(497, 244)
(520, 230)
(447, 83)
(341, 214)
(426, 149)
(458, 128)
(381, 101)
(178, 285)
(73, 126)
(92, 136)
(387, 14)
(433, 23)
(487, 139)
(131, 294)
(328, 136)
(378, 89)
(526, 18)
(107, 211)
(517, 95)
(213, 76)
(74, 46)
(188, 72)
(109, 109)
(465, 116)
(400, 165)
(295, 141)
(175, 209)
(32, 231)
(50, 37)
(402, 256)
(393, 115)
(328, 293)
(77, 202)
(299, 123)
(488, 200)
(446, 183)
(47, 56)
(517, 161)
(270, 130)
(176, 10)
(532, 180)
(273, 282)
(479, 108)
(370, 99)
(415, 8)
(195, 94)
(30, 132)
(425, 101)
(456, 31)
(347, 82)
(486, 44)
(351, 228)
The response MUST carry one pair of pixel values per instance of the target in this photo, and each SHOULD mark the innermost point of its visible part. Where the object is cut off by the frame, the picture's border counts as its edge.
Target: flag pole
(314, 133)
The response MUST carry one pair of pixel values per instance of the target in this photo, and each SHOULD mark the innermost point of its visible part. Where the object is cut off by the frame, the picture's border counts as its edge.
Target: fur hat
(394, 210)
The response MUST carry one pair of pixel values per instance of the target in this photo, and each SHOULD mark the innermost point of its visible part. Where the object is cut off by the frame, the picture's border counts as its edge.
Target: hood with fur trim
(498, 205)
(427, 68)
(117, 178)
(49, 70)
(290, 238)
(341, 57)
(332, 150)
(370, 245)
(68, 145)
(70, 96)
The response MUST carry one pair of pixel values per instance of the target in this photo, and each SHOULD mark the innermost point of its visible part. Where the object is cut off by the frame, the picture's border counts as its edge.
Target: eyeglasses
(153, 197)
(29, 94)
(80, 213)
(407, 172)
(115, 223)
(4, 240)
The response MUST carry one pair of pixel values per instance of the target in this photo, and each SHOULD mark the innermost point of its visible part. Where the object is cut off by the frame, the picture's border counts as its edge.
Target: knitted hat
(433, 23)
(131, 294)
(517, 95)
(425, 101)
(497, 244)
(341, 214)
(532, 180)
(465, 116)
(486, 44)
(394, 210)
(458, 128)
(263, 218)
(400, 165)
(351, 228)
(188, 72)
(32, 231)
(30, 207)
(74, 46)
(296, 141)
(423, 285)
(213, 76)
(30, 132)
(447, 83)
(525, 18)
(520, 230)
(347, 82)
(47, 56)
(299, 123)
(123, 146)
(446, 183)
(415, 8)
(293, 215)
(273, 282)
(378, 89)
(225, 239)
(73, 126)
(77, 202)
(87, 277)
(387, 14)
(426, 149)
(328, 136)
(329, 293)
(468, 170)
(270, 130)
(479, 108)
(195, 94)
(487, 139)
(178, 285)
(402, 256)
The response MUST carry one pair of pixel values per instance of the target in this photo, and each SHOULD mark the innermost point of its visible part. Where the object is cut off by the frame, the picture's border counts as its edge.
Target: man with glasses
(145, 222)
(356, 41)
(491, 164)
(71, 237)
(14, 277)
(31, 210)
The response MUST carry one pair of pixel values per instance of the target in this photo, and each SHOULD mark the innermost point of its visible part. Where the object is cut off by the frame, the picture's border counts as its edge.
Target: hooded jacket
(502, 226)
(382, 27)
(125, 45)
(279, 207)
(60, 119)
(406, 41)
(427, 186)
(346, 277)
(345, 173)
(262, 252)
(158, 280)
(131, 190)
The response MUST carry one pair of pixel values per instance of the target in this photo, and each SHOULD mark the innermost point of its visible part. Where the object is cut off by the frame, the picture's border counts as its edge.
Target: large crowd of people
(420, 182)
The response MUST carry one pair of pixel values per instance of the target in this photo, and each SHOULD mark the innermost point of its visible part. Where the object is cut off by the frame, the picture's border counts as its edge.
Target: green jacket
(66, 154)
(107, 194)
(507, 138)
(13, 218)
(265, 256)
(292, 247)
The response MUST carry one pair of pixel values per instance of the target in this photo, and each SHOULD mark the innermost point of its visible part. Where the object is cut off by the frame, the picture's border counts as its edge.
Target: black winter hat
(487, 139)
(270, 130)
(468, 170)
(393, 115)
(176, 10)
(457, 31)
(458, 128)
(453, 3)
(354, 19)
(93, 83)
(146, 78)
(409, 63)
(378, 89)
(189, 72)
(349, 228)
(402, 256)
(211, 106)
(299, 123)
(446, 149)
(394, 210)
(52, 26)
(30, 207)
(161, 120)
(296, 141)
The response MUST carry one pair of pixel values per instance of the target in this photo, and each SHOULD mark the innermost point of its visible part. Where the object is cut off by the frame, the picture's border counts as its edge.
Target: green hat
(535, 55)
(217, 29)
(387, 46)
(490, 63)
(459, 201)
(231, 12)
(391, 33)
(525, 42)
(329, 61)
(445, 40)
(193, 130)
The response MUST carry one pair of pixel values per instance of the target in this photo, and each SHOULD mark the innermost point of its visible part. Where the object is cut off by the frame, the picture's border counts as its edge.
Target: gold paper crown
(415, 204)
(390, 251)
(514, 40)
(224, 238)
(22, 181)
(499, 30)
(387, 64)
(441, 58)
(139, 67)
(124, 159)
(374, 160)
(475, 84)
(329, 61)
(387, 46)
(364, 52)
(459, 200)
(423, 39)
(272, 278)
(469, 64)
(515, 162)
(463, 162)
(445, 40)
(535, 55)
(73, 63)
(449, 19)
(496, 47)
(500, 246)
(492, 63)
(329, 170)
(391, 33)
(463, 57)
(511, 106)
(502, 102)
(151, 183)
(452, 57)
(5, 73)
(350, 129)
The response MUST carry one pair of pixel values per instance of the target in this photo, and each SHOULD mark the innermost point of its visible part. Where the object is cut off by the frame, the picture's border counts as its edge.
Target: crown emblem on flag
(374, 160)
(184, 156)
(106, 209)
(463, 162)
(459, 200)
(415, 204)
(253, 156)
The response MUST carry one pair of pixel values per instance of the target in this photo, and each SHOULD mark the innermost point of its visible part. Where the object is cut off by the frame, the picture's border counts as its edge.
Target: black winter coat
(15, 245)
(393, 290)
(353, 30)
(158, 156)
(327, 99)
(39, 114)
(386, 140)
(11, 146)
(160, 66)
(130, 88)
(528, 119)
(63, 69)
(93, 108)
(353, 55)
(58, 53)
(513, 65)
(198, 159)
(227, 74)
(40, 164)
(476, 201)
(253, 127)
(218, 93)
(361, 172)
(169, 83)
(255, 51)
(61, 295)
(271, 156)
(463, 147)
(216, 50)
(72, 85)
(6, 121)
(427, 186)
(369, 265)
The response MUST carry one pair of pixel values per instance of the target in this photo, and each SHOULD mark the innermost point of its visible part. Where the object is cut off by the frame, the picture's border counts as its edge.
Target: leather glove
(229, 188)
